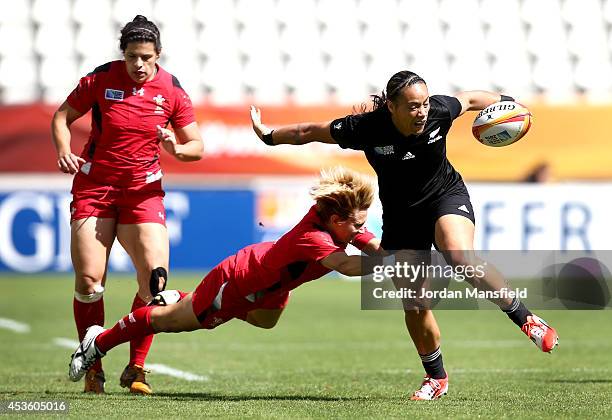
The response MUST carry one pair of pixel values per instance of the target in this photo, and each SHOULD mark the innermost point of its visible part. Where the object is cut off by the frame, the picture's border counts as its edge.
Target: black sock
(517, 312)
(432, 362)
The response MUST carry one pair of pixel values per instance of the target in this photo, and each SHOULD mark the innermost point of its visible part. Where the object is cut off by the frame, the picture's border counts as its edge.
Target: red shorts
(216, 300)
(128, 205)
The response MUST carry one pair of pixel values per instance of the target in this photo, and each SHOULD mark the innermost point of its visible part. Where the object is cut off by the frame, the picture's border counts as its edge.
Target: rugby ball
(501, 123)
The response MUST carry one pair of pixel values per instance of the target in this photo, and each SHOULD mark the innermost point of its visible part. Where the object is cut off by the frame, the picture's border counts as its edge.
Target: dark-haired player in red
(254, 284)
(117, 190)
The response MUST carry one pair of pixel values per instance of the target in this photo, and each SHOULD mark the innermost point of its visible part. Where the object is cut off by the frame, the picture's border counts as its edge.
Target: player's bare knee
(86, 282)
(461, 258)
(456, 258)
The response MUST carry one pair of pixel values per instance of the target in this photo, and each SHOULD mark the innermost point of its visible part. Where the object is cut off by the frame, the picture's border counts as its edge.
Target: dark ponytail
(140, 30)
(396, 83)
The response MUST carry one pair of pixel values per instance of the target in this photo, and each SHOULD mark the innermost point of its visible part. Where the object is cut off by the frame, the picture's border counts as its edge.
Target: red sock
(86, 315)
(139, 347)
(135, 325)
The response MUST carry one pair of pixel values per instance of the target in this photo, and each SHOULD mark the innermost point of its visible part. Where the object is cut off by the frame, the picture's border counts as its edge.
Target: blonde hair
(342, 191)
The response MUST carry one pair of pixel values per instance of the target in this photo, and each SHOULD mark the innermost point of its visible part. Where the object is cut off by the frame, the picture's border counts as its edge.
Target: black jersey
(411, 170)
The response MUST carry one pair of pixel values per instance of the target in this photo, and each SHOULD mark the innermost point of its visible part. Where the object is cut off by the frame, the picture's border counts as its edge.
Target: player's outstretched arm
(477, 100)
(291, 134)
(373, 248)
(349, 265)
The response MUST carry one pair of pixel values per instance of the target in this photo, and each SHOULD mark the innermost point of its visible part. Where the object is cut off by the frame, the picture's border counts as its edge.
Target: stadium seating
(319, 51)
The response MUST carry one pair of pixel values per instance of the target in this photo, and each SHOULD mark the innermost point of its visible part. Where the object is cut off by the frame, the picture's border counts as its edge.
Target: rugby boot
(94, 381)
(134, 378)
(543, 335)
(431, 389)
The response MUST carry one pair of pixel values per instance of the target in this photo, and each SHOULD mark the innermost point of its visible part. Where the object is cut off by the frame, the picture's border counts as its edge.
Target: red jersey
(123, 149)
(290, 261)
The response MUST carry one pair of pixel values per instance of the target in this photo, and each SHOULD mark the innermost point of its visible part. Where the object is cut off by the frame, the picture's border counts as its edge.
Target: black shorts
(415, 228)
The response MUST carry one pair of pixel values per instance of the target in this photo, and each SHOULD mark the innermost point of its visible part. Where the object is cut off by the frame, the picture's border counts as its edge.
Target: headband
(142, 29)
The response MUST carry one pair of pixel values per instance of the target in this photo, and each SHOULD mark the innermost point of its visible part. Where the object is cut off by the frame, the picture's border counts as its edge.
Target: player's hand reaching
(259, 128)
(69, 163)
(167, 139)
(296, 134)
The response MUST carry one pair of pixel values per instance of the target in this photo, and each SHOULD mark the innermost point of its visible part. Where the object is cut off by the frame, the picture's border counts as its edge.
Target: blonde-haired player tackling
(255, 283)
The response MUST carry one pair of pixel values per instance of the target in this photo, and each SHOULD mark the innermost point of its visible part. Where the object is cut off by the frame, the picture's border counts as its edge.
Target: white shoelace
(428, 389)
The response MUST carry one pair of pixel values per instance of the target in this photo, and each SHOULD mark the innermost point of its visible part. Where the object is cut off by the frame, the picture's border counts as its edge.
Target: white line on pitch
(16, 326)
(66, 342)
(155, 367)
(167, 370)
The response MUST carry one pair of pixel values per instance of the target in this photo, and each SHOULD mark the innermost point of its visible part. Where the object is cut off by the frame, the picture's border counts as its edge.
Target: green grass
(325, 358)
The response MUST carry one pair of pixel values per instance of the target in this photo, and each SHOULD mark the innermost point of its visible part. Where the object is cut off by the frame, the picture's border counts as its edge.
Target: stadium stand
(318, 51)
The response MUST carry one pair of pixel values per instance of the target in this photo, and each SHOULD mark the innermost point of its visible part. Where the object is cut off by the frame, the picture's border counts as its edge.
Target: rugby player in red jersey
(117, 190)
(255, 283)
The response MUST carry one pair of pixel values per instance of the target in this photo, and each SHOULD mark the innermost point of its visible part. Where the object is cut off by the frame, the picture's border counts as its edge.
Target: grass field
(325, 358)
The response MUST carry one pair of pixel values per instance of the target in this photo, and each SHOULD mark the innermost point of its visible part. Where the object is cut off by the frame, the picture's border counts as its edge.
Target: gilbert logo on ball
(501, 123)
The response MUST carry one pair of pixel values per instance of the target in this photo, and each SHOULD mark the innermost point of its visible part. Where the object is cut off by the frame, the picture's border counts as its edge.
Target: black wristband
(506, 98)
(267, 138)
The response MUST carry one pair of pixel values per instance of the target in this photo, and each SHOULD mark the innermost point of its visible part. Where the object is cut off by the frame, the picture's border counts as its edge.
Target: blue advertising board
(204, 226)
(210, 222)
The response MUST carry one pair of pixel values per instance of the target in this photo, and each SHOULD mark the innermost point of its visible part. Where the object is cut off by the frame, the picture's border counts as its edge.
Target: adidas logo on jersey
(463, 208)
(408, 155)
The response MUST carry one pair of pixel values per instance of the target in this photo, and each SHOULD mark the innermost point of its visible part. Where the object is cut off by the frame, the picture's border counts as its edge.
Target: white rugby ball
(501, 123)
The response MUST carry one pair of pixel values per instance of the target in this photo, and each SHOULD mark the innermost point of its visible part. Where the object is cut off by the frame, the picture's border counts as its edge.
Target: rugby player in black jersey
(424, 199)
